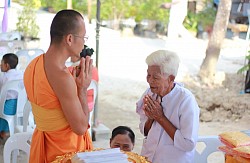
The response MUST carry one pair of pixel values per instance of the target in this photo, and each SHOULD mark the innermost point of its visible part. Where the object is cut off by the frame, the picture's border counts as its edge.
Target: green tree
(27, 19)
(79, 5)
(55, 4)
(150, 9)
(139, 9)
(115, 10)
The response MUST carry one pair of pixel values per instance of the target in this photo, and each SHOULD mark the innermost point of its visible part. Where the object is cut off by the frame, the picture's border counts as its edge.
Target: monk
(59, 98)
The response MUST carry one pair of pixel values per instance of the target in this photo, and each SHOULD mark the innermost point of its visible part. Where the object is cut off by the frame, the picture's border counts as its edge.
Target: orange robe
(53, 135)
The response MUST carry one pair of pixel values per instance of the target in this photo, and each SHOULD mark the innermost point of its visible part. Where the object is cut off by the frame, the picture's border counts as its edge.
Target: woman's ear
(171, 78)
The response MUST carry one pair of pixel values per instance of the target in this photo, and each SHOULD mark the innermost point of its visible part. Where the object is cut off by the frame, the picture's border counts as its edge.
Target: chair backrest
(211, 145)
(21, 101)
(9, 36)
(3, 50)
(18, 141)
(18, 86)
(25, 56)
(28, 123)
(28, 118)
(93, 85)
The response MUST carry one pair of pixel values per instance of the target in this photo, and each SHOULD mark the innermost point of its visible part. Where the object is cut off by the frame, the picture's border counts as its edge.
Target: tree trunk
(69, 4)
(208, 67)
(89, 10)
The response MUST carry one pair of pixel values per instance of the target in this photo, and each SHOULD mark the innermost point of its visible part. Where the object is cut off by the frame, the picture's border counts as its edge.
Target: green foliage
(27, 19)
(191, 22)
(34, 3)
(246, 67)
(204, 18)
(114, 9)
(80, 5)
(150, 9)
(138, 9)
(207, 17)
(55, 4)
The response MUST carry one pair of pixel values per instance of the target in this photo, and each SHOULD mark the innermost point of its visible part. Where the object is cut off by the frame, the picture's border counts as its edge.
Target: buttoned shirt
(181, 109)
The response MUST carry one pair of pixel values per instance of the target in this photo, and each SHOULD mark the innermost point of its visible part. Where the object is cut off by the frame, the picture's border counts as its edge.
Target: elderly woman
(169, 114)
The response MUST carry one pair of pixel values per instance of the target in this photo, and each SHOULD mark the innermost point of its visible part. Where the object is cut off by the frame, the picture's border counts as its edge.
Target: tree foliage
(79, 5)
(150, 9)
(27, 19)
(138, 9)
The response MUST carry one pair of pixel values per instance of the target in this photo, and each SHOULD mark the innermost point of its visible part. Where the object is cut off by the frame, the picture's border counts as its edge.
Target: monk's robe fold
(53, 135)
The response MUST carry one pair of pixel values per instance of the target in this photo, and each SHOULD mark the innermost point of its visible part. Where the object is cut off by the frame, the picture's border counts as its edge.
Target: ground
(221, 103)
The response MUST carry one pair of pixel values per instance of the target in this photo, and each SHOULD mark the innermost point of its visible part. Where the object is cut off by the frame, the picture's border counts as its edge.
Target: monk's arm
(73, 101)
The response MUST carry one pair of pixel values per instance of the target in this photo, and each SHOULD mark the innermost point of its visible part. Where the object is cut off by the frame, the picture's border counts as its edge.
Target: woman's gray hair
(167, 60)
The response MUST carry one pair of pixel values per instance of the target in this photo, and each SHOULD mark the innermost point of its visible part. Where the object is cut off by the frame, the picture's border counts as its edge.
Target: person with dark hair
(8, 67)
(122, 137)
(59, 98)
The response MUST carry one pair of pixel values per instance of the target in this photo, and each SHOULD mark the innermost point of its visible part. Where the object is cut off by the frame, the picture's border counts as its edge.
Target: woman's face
(122, 141)
(159, 83)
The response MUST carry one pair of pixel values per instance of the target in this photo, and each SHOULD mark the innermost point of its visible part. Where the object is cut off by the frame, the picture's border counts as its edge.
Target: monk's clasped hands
(83, 72)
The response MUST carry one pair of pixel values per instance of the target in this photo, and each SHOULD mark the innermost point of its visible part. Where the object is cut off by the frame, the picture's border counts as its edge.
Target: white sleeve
(139, 110)
(1, 80)
(186, 137)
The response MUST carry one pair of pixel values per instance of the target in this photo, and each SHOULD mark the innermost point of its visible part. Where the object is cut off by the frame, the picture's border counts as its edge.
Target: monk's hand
(83, 73)
(153, 108)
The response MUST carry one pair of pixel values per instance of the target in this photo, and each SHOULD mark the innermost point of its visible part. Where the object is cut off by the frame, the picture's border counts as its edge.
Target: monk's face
(79, 38)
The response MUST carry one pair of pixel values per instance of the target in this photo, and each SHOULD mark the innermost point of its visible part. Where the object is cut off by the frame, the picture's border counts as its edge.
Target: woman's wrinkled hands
(83, 73)
(153, 108)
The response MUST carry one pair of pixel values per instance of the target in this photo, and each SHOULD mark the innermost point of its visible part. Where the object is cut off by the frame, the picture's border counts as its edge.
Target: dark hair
(64, 22)
(123, 130)
(11, 59)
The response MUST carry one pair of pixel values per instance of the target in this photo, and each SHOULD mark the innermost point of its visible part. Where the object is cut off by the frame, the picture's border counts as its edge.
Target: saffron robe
(53, 135)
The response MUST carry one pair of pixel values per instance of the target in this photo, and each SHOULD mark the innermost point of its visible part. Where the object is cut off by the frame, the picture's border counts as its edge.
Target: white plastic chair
(16, 142)
(3, 50)
(9, 36)
(28, 120)
(212, 143)
(25, 56)
(93, 85)
(15, 85)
